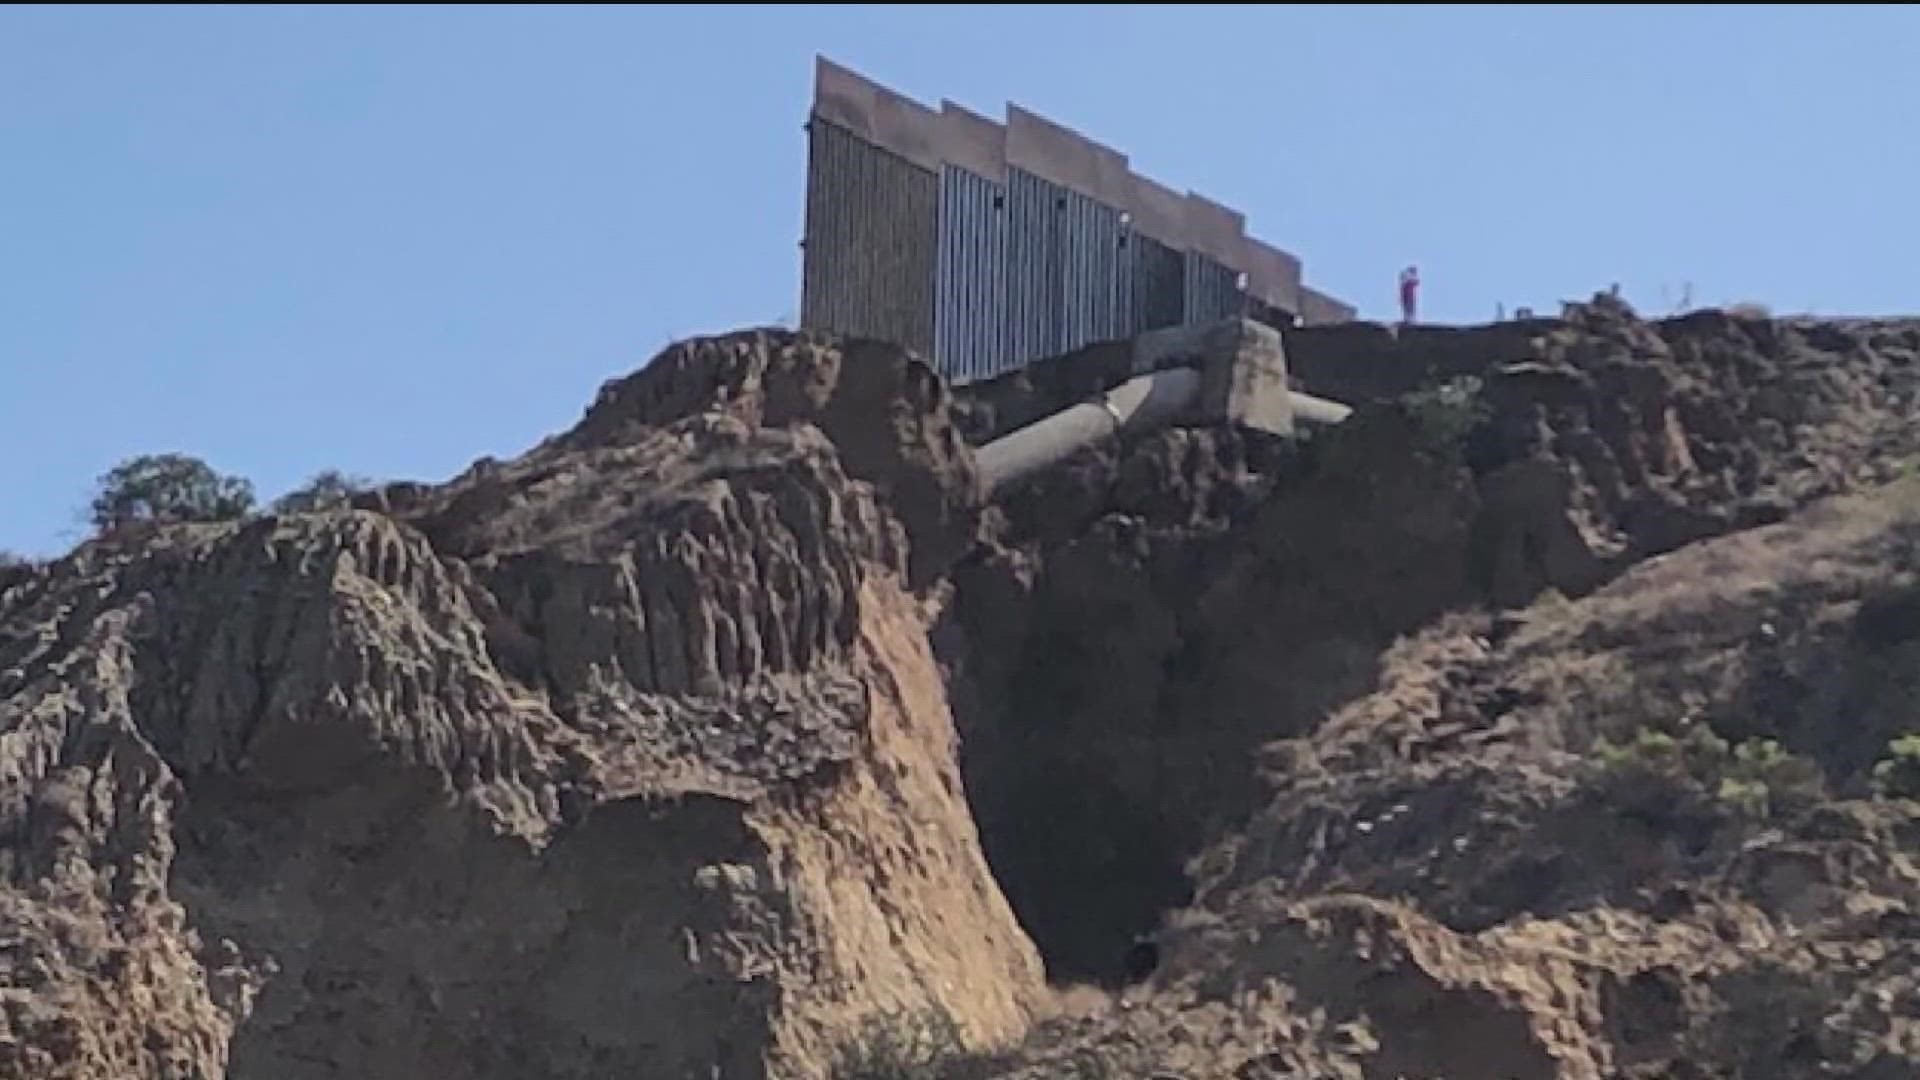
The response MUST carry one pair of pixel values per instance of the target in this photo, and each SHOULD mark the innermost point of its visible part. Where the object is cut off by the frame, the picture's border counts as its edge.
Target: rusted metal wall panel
(1123, 270)
(1159, 284)
(1091, 259)
(1213, 290)
(1034, 273)
(970, 306)
(870, 264)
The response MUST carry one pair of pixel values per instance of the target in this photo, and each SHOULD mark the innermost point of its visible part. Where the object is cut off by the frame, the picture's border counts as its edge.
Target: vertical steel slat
(1123, 282)
(1091, 258)
(1213, 290)
(870, 265)
(1159, 285)
(972, 297)
(1194, 289)
(948, 331)
(1033, 269)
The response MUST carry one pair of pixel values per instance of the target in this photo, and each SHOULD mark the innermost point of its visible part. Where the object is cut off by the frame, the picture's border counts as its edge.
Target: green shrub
(167, 489)
(328, 490)
(922, 1045)
(1444, 415)
(1756, 778)
(1697, 751)
(927, 1045)
(1767, 779)
(1897, 776)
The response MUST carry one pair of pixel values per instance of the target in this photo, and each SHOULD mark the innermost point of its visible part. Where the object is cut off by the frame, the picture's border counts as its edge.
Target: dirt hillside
(1536, 722)
(1523, 726)
(1635, 834)
(628, 757)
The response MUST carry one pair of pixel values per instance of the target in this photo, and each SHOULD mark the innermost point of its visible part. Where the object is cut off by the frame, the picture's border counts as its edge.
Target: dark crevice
(1088, 869)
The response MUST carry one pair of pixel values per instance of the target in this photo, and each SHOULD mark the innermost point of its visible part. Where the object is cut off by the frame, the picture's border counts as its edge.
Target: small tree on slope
(167, 489)
(327, 490)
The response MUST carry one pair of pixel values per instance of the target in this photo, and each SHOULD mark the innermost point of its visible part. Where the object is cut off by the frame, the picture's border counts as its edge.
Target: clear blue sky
(391, 241)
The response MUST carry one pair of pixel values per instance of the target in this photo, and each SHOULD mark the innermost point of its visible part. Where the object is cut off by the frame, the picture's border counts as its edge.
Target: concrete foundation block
(1243, 371)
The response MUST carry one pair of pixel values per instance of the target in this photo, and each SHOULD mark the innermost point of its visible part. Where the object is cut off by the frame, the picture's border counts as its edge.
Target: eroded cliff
(1148, 616)
(1533, 722)
(628, 756)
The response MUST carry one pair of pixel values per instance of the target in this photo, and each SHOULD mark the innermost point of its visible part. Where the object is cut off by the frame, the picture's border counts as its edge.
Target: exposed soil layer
(1454, 877)
(625, 757)
(1535, 722)
(1135, 624)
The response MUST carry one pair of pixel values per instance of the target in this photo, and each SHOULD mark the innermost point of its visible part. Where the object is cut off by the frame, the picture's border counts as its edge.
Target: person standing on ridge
(1409, 294)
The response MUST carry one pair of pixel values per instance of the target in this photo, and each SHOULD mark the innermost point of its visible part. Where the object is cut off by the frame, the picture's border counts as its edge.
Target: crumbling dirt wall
(1448, 874)
(634, 754)
(1361, 362)
(1143, 618)
(626, 756)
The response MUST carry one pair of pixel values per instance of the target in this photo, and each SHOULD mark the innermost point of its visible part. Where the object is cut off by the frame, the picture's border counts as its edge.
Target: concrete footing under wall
(1231, 372)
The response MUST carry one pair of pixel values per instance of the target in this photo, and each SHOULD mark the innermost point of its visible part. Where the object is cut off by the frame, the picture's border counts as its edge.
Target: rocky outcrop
(887, 414)
(1360, 362)
(627, 756)
(1626, 835)
(1527, 723)
(1143, 618)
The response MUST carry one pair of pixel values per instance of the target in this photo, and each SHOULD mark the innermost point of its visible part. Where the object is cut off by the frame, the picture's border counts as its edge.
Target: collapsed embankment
(699, 735)
(1137, 623)
(627, 756)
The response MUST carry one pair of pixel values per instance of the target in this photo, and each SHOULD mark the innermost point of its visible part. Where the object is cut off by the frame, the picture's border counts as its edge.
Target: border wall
(986, 246)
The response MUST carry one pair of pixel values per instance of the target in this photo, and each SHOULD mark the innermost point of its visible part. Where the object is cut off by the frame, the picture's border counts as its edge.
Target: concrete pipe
(1314, 410)
(1137, 404)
